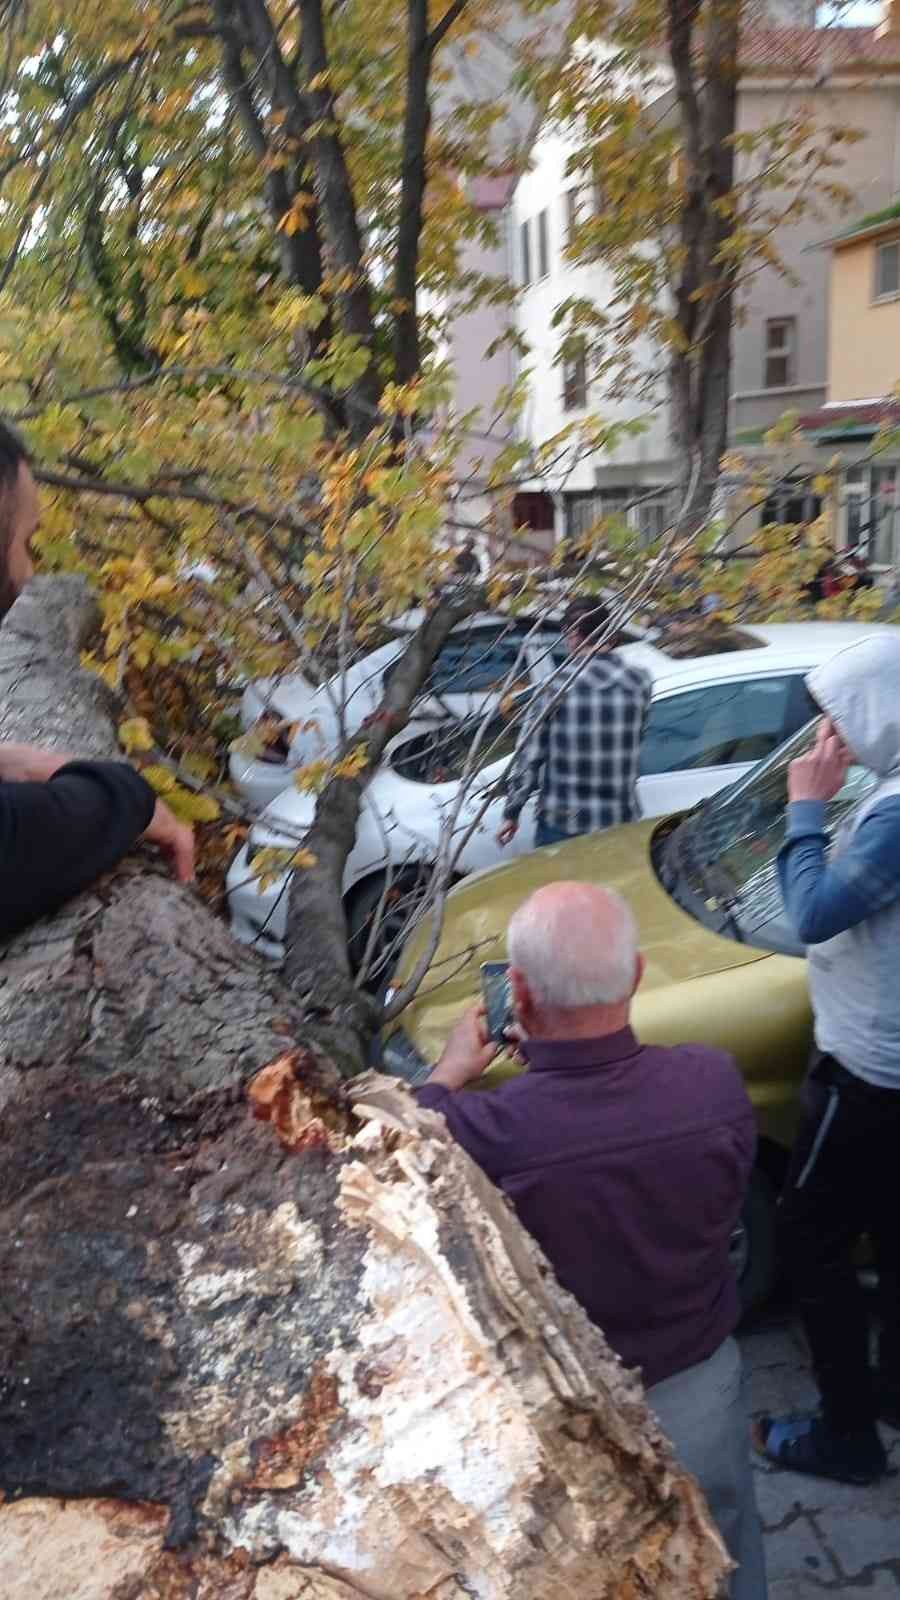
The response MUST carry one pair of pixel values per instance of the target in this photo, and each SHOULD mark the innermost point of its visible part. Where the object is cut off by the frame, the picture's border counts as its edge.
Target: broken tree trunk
(258, 1342)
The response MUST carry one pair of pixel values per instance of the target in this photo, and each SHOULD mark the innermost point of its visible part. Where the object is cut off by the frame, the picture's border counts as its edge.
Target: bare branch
(442, 28)
(141, 494)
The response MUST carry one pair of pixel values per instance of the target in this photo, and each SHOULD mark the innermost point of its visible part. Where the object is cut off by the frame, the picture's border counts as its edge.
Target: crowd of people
(601, 1137)
(628, 1163)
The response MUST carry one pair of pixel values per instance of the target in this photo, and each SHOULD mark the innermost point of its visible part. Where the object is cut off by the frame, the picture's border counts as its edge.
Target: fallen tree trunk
(258, 1342)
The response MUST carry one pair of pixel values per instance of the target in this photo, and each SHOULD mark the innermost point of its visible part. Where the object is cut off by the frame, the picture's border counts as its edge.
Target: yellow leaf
(160, 779)
(135, 734)
(193, 807)
(197, 766)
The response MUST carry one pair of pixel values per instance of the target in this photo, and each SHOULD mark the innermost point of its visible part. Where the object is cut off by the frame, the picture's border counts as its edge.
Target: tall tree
(680, 208)
(231, 233)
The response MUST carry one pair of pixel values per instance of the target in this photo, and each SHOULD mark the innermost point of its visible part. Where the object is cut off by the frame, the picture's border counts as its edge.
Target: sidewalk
(821, 1538)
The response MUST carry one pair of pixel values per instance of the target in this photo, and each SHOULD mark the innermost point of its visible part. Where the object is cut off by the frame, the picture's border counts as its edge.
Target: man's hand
(508, 832)
(175, 839)
(820, 774)
(468, 1052)
(30, 763)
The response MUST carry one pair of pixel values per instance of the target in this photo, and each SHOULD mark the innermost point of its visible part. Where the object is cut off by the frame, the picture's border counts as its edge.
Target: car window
(441, 755)
(723, 724)
(721, 862)
(476, 664)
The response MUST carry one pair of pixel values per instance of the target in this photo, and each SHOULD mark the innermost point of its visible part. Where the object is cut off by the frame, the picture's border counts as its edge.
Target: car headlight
(401, 1059)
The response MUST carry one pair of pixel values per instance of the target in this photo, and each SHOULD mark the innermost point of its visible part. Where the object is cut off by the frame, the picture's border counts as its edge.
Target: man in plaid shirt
(582, 754)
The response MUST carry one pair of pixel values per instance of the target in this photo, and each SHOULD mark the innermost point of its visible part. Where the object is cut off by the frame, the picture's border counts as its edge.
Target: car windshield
(720, 863)
(441, 754)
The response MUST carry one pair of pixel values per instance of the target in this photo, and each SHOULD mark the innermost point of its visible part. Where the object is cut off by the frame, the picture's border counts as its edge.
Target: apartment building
(781, 347)
(859, 421)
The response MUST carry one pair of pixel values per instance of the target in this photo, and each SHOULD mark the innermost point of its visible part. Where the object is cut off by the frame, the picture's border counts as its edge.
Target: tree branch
(441, 29)
(412, 194)
(339, 213)
(316, 937)
(301, 255)
(142, 493)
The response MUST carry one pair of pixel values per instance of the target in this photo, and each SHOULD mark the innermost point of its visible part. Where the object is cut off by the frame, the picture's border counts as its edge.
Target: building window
(647, 511)
(653, 517)
(884, 504)
(533, 508)
(872, 514)
(525, 236)
(572, 208)
(575, 386)
(792, 504)
(887, 271)
(543, 245)
(780, 341)
(581, 512)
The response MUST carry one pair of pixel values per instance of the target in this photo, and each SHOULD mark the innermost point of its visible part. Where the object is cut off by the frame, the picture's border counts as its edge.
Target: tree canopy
(232, 235)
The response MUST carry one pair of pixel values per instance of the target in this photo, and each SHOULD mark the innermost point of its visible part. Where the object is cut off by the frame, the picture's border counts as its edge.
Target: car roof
(794, 646)
(820, 636)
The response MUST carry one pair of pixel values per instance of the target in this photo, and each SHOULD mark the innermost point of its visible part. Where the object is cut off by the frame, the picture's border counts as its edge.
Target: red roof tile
(817, 49)
(855, 414)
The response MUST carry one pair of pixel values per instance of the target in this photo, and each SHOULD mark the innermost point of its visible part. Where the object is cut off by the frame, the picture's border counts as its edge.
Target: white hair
(575, 947)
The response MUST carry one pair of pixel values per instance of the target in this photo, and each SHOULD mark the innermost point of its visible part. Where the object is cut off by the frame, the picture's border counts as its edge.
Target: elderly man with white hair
(628, 1163)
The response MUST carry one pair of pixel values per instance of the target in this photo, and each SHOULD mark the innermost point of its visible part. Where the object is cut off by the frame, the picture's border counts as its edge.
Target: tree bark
(317, 962)
(700, 372)
(301, 255)
(257, 1341)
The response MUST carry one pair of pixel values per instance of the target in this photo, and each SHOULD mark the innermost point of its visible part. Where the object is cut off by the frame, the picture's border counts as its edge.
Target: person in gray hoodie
(842, 1182)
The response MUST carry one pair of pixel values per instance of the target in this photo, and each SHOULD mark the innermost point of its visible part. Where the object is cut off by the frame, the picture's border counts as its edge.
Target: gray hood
(860, 690)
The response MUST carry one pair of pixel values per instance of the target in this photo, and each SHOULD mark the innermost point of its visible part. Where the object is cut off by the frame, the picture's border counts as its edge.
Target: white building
(544, 205)
(849, 77)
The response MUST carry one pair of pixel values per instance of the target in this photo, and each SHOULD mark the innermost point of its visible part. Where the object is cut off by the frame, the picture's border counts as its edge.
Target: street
(821, 1538)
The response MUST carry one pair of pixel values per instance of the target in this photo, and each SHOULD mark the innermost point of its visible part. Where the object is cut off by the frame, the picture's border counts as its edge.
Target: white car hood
(400, 804)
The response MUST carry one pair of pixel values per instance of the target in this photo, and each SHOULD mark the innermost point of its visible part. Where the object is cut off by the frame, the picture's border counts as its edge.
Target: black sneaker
(804, 1443)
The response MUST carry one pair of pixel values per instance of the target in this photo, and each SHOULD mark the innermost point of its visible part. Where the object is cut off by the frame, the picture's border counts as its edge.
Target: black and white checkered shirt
(583, 756)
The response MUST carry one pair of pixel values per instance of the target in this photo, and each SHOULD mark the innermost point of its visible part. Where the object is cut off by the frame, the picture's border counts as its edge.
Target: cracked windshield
(721, 863)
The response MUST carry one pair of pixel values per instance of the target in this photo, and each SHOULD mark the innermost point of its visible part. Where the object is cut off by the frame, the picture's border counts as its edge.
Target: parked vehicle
(723, 965)
(711, 718)
(471, 670)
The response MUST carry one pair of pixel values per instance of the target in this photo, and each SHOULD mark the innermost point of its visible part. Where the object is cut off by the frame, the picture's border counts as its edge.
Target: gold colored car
(723, 965)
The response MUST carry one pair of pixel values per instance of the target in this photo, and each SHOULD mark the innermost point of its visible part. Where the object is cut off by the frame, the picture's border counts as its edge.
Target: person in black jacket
(63, 822)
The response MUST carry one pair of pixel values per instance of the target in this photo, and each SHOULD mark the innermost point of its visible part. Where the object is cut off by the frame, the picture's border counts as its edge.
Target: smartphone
(497, 999)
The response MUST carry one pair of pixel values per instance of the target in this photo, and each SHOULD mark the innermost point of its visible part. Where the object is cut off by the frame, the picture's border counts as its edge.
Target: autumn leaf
(135, 734)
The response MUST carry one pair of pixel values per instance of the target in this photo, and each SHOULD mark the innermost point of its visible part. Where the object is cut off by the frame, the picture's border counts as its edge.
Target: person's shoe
(804, 1444)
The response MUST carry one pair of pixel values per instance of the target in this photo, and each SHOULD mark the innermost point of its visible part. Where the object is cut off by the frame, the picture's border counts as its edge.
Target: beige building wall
(870, 169)
(864, 333)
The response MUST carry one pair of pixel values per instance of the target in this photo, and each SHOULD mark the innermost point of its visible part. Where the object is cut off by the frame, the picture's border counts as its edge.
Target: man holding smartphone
(580, 742)
(629, 1165)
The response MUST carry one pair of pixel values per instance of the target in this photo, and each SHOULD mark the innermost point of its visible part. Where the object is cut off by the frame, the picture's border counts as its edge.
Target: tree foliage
(231, 235)
(217, 248)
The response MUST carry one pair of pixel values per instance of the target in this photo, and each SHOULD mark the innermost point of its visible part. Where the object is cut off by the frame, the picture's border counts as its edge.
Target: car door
(481, 812)
(700, 738)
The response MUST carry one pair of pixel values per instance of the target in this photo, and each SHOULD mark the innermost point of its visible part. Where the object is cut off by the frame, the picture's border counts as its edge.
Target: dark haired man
(580, 742)
(63, 822)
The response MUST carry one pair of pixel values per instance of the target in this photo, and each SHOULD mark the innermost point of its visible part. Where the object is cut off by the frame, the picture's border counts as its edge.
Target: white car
(710, 720)
(471, 670)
